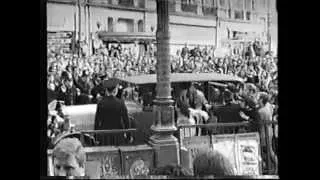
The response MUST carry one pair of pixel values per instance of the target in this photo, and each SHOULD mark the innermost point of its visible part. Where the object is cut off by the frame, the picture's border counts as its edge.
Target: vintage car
(140, 112)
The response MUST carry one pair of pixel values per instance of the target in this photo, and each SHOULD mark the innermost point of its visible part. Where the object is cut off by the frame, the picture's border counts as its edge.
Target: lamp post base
(166, 149)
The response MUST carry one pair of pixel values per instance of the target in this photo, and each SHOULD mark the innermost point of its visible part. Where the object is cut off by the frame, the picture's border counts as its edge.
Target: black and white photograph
(162, 89)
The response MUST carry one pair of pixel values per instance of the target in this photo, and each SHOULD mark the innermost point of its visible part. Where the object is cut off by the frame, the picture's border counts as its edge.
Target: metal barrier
(114, 133)
(242, 127)
(215, 128)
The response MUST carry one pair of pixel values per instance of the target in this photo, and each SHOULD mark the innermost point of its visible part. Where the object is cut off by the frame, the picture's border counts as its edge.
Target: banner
(248, 154)
(242, 150)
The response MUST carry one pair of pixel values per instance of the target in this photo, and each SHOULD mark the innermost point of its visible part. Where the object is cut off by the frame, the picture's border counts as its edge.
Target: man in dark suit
(111, 113)
(230, 112)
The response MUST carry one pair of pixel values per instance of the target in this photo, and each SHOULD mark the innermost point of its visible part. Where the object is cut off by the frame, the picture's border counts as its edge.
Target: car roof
(182, 77)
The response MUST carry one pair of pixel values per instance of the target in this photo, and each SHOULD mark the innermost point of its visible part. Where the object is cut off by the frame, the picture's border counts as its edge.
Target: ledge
(71, 2)
(237, 21)
(111, 6)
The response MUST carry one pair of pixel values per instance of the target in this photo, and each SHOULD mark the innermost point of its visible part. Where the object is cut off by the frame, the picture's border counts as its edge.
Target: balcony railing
(189, 8)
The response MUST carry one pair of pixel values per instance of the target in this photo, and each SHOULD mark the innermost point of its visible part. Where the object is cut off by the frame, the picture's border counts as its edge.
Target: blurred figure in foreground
(69, 158)
(212, 163)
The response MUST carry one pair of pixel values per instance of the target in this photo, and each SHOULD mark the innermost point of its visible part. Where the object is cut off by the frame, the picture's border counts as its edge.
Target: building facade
(219, 23)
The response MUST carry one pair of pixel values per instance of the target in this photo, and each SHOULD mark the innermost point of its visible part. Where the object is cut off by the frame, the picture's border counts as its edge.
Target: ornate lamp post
(163, 141)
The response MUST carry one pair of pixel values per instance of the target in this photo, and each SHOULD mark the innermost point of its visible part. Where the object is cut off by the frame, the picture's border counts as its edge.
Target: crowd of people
(78, 80)
(79, 76)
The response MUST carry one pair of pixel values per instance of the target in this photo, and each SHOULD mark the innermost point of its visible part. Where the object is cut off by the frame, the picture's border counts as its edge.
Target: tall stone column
(162, 140)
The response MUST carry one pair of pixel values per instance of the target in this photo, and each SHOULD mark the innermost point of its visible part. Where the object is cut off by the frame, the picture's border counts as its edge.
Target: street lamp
(163, 141)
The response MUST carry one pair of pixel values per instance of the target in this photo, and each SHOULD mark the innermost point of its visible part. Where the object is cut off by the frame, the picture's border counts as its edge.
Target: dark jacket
(69, 97)
(228, 113)
(111, 113)
(51, 95)
(85, 87)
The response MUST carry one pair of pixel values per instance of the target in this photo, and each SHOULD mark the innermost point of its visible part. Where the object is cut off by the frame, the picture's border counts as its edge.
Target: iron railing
(113, 134)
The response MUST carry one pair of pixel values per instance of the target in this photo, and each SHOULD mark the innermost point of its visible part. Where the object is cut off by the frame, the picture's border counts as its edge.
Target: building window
(238, 4)
(247, 5)
(223, 3)
(208, 8)
(140, 26)
(189, 6)
(172, 6)
(263, 5)
(229, 13)
(238, 14)
(141, 3)
(110, 24)
(248, 15)
(128, 3)
(125, 25)
(253, 5)
(262, 20)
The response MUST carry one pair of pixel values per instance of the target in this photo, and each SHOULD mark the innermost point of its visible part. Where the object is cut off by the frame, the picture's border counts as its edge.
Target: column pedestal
(165, 144)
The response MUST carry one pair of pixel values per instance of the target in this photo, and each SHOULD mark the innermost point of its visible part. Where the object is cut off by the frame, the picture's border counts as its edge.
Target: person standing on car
(111, 113)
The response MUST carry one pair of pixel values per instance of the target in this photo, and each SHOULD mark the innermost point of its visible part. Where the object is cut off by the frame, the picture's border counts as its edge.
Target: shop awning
(126, 37)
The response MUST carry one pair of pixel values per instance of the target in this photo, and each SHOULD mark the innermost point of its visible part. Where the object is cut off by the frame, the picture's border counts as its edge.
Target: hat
(110, 83)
